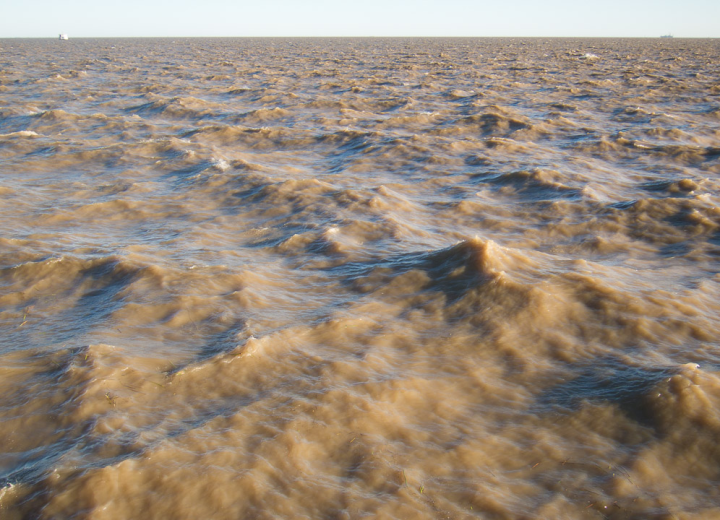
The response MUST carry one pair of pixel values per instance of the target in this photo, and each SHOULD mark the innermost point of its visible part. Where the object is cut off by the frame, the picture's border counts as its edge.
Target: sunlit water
(371, 278)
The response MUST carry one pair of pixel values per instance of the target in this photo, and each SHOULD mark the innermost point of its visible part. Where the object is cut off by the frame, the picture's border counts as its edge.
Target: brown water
(344, 279)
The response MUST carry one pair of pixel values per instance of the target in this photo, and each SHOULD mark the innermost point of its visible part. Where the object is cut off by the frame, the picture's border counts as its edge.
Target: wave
(178, 108)
(264, 115)
(537, 184)
(253, 138)
(21, 133)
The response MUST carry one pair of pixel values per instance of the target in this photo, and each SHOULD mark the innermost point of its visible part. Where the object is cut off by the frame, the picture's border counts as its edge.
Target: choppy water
(382, 278)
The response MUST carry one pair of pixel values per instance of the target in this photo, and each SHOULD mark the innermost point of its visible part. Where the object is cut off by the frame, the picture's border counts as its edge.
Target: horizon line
(364, 36)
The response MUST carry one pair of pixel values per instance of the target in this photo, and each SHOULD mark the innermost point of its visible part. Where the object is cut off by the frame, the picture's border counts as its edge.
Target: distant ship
(666, 36)
(63, 36)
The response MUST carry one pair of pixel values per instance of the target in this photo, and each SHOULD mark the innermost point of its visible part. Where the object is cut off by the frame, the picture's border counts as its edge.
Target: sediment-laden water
(359, 278)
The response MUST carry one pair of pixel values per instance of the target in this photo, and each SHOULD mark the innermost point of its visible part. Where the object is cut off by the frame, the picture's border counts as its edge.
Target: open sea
(360, 278)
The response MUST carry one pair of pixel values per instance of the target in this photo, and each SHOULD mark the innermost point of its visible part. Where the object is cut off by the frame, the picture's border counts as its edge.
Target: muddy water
(350, 279)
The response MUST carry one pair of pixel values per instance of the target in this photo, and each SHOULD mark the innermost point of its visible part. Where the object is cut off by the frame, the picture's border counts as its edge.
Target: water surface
(359, 278)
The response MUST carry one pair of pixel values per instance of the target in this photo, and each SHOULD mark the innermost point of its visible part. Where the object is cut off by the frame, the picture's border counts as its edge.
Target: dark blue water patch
(623, 204)
(45, 151)
(105, 281)
(670, 187)
(609, 380)
(712, 152)
(495, 124)
(150, 106)
(185, 176)
(154, 232)
(562, 107)
(37, 463)
(632, 115)
(251, 193)
(14, 123)
(677, 249)
(684, 216)
(476, 160)
(529, 185)
(665, 222)
(350, 142)
(101, 299)
(579, 138)
(304, 213)
(586, 95)
(453, 271)
(240, 91)
(321, 246)
(347, 147)
(280, 232)
(286, 121)
(164, 109)
(714, 238)
(684, 154)
(220, 342)
(661, 185)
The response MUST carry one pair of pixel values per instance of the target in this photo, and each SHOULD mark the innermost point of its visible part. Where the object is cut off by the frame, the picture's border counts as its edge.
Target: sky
(176, 18)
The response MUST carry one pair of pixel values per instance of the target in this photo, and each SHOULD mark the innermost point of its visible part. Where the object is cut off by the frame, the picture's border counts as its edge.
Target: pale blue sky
(88, 18)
